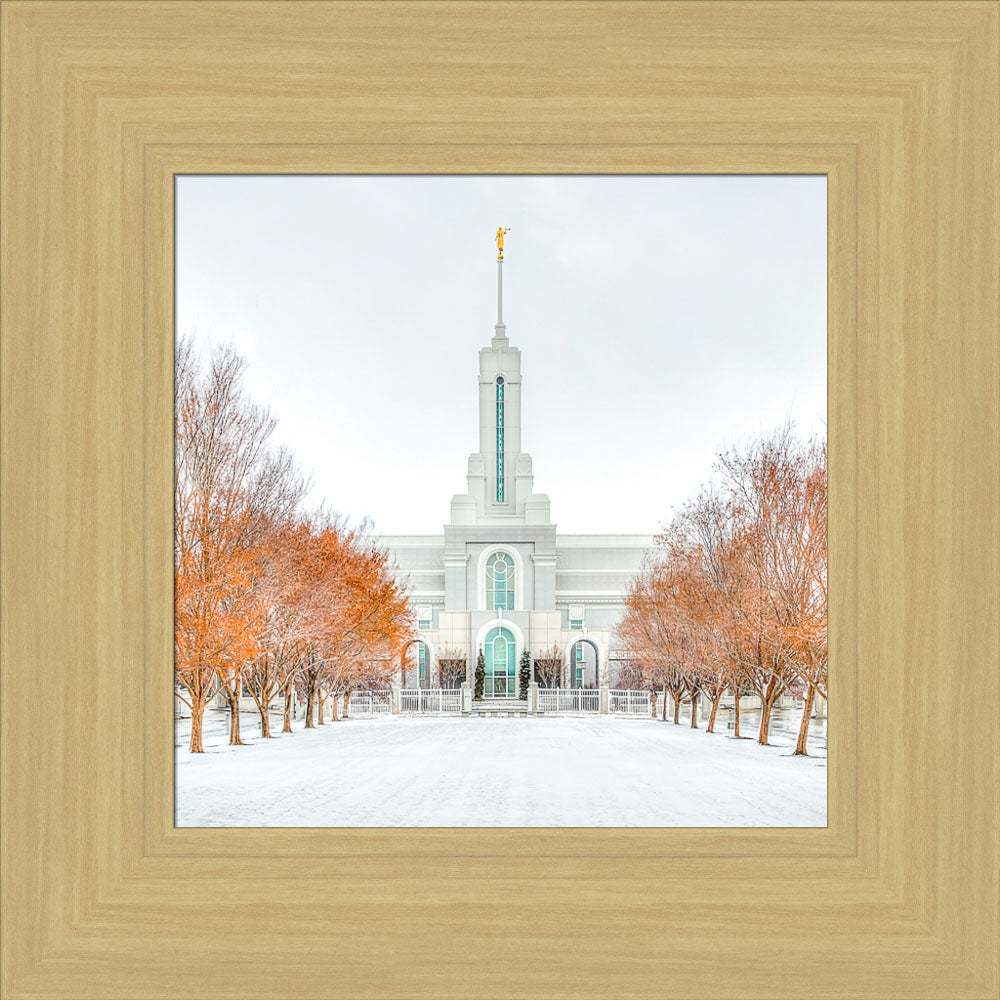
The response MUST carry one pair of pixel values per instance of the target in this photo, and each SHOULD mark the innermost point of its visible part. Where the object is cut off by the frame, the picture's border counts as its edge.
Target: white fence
(430, 701)
(629, 703)
(551, 700)
(370, 703)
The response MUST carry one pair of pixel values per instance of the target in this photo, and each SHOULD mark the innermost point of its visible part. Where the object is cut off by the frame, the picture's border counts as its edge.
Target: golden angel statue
(499, 238)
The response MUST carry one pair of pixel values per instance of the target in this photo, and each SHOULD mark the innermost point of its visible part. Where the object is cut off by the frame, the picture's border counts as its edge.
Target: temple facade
(500, 578)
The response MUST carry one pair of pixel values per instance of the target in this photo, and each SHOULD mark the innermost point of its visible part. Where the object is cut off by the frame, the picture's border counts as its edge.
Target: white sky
(659, 318)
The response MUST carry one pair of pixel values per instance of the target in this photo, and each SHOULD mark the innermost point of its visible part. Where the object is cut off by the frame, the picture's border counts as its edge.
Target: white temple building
(501, 578)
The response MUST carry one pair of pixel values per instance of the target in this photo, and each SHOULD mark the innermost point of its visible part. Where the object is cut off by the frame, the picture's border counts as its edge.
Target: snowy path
(407, 771)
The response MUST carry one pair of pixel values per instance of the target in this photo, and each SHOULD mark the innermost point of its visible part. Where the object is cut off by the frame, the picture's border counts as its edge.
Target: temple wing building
(501, 579)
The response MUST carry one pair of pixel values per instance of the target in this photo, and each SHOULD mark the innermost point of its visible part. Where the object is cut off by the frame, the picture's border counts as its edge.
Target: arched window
(420, 662)
(500, 582)
(585, 664)
(500, 655)
(500, 485)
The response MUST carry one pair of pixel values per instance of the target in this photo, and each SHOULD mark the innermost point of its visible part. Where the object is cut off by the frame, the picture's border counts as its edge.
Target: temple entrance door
(500, 654)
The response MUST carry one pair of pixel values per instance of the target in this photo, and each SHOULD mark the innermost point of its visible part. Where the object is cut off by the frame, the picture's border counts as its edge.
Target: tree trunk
(677, 708)
(287, 726)
(664, 715)
(334, 714)
(736, 721)
(694, 710)
(347, 703)
(234, 719)
(320, 708)
(197, 720)
(801, 749)
(310, 695)
(765, 721)
(265, 722)
(715, 709)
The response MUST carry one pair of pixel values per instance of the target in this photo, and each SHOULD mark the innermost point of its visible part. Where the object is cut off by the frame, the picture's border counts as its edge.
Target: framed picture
(105, 106)
(639, 536)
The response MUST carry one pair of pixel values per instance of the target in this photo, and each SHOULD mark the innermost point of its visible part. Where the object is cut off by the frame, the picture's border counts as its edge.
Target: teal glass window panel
(500, 655)
(500, 582)
(500, 440)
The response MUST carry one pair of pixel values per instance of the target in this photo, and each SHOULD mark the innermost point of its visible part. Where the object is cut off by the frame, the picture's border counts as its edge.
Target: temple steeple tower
(500, 477)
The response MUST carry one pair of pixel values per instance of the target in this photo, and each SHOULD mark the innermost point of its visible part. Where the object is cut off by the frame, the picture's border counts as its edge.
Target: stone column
(533, 698)
(819, 706)
(605, 699)
(396, 699)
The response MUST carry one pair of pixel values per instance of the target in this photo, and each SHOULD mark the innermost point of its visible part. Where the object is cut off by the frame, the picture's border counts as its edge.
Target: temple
(500, 578)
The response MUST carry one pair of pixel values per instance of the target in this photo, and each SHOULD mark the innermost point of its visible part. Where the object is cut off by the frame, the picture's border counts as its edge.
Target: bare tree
(550, 667)
(452, 667)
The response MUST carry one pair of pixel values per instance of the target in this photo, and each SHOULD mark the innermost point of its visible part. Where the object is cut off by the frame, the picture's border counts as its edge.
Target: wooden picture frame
(104, 103)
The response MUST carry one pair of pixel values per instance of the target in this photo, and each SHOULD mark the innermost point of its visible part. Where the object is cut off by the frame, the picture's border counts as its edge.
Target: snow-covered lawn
(426, 771)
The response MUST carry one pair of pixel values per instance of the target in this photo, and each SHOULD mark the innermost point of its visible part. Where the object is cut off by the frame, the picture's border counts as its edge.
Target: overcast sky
(659, 318)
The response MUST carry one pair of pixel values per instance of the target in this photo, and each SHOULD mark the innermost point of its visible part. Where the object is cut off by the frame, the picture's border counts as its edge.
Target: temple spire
(500, 331)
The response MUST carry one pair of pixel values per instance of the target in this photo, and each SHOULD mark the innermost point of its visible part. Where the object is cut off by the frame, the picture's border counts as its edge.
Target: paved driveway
(420, 771)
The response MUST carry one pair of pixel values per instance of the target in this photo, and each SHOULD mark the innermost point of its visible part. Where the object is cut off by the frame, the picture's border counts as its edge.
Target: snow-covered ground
(449, 771)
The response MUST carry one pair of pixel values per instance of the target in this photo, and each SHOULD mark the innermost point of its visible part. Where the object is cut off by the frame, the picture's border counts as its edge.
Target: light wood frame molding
(104, 103)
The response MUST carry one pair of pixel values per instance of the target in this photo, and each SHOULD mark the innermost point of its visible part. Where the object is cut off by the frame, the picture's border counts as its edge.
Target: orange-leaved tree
(231, 489)
(733, 595)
